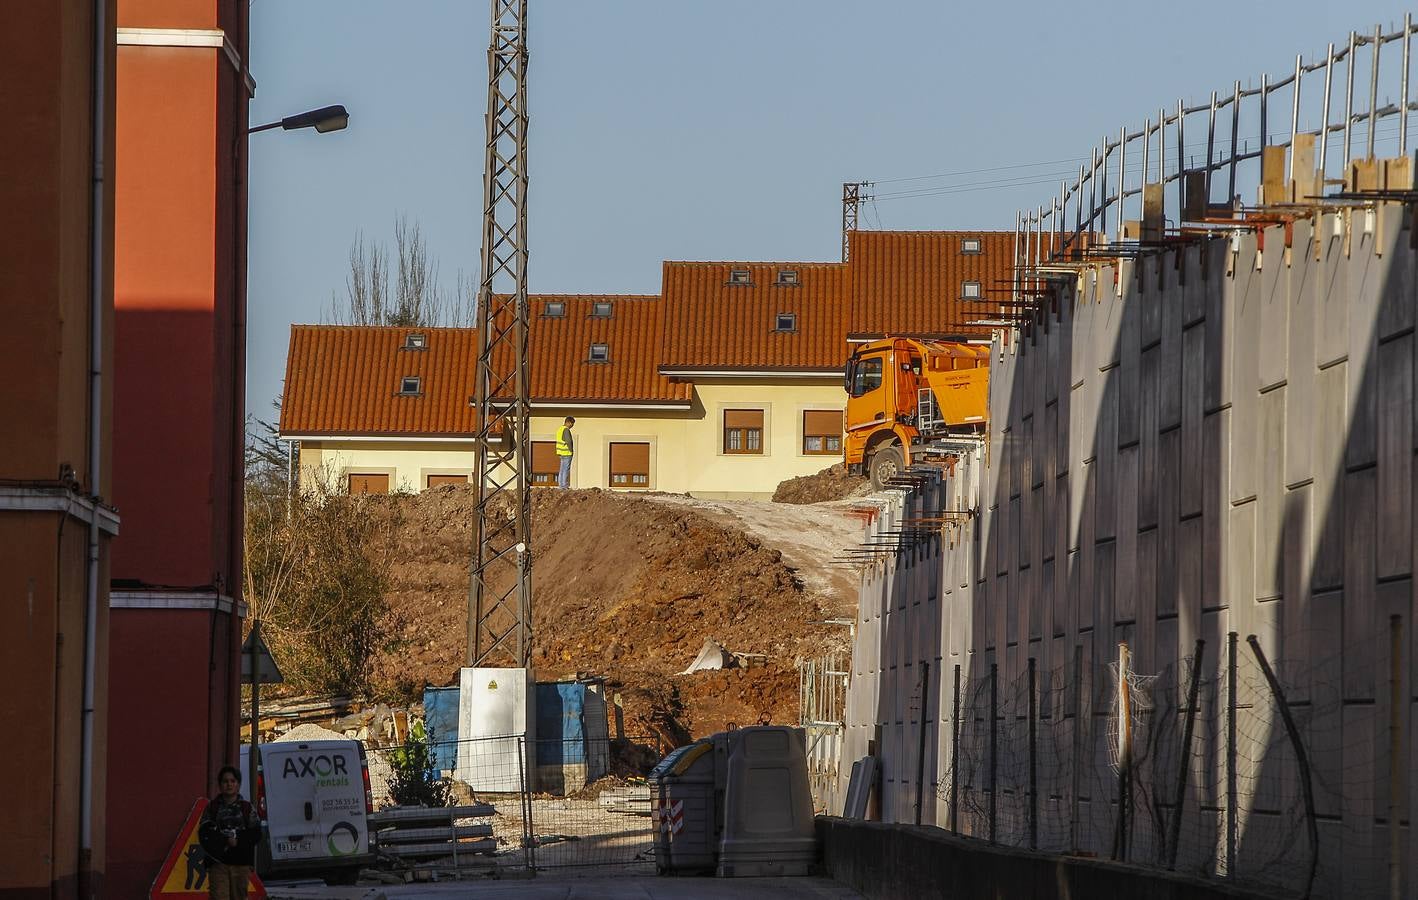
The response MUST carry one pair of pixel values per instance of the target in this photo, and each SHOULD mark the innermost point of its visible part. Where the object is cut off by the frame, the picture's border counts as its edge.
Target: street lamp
(326, 118)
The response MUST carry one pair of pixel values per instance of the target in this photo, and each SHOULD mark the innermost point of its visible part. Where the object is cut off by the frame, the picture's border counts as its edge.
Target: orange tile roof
(712, 324)
(344, 380)
(909, 282)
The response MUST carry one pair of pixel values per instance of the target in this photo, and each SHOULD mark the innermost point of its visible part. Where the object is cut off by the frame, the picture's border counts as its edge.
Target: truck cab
(907, 397)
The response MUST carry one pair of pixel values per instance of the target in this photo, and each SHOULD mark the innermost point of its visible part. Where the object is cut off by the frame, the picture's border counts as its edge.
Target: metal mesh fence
(550, 804)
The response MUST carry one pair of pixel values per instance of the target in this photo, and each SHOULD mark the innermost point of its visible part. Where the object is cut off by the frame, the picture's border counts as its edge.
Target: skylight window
(554, 309)
(787, 276)
(601, 310)
(971, 245)
(740, 276)
(970, 290)
(410, 386)
(600, 353)
(787, 322)
(415, 341)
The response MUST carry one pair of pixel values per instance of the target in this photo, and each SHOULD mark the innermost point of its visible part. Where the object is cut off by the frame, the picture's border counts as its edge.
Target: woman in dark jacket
(229, 833)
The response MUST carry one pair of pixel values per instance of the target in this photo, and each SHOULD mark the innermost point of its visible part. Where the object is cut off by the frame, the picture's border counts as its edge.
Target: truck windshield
(866, 376)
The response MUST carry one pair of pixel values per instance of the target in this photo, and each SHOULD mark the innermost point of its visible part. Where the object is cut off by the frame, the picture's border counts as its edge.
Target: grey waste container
(682, 788)
(767, 816)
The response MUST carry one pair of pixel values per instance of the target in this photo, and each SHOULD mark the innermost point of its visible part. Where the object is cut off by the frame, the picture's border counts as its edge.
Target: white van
(315, 801)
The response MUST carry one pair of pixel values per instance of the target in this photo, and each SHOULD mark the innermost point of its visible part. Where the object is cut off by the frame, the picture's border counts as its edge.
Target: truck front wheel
(886, 464)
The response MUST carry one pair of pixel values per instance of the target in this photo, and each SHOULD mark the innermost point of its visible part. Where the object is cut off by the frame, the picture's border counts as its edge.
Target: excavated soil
(832, 483)
(624, 588)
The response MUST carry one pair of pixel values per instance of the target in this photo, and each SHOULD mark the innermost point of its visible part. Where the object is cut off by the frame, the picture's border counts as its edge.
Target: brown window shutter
(630, 459)
(438, 480)
(544, 459)
(822, 423)
(743, 418)
(368, 484)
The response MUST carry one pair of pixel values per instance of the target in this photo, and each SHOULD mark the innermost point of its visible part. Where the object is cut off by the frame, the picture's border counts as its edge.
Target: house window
(433, 481)
(970, 245)
(630, 465)
(415, 341)
(743, 431)
(367, 483)
(544, 463)
(740, 276)
(787, 322)
(822, 432)
(970, 290)
(601, 310)
(554, 309)
(600, 353)
(410, 386)
(787, 276)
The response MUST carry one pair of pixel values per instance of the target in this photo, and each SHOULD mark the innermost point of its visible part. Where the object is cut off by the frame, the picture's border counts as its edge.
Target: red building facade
(179, 298)
(56, 293)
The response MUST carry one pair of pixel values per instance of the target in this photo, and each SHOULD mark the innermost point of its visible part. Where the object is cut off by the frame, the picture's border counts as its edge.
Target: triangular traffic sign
(265, 662)
(184, 872)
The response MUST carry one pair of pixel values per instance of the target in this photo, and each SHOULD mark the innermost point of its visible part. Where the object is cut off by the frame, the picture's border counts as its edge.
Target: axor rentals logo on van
(327, 770)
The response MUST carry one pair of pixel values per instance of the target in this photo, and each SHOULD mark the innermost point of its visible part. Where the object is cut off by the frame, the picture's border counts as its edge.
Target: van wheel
(342, 876)
(886, 464)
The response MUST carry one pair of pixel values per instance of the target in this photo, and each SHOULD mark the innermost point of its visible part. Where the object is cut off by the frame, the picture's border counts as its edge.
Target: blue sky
(708, 129)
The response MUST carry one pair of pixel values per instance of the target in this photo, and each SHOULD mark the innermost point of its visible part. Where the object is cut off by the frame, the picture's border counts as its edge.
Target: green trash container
(682, 791)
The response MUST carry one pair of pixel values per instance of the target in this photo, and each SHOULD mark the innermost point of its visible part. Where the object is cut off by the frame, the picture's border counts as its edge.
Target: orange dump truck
(908, 399)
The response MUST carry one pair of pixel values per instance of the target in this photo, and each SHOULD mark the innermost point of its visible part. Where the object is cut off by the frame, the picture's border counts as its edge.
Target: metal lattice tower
(500, 589)
(852, 198)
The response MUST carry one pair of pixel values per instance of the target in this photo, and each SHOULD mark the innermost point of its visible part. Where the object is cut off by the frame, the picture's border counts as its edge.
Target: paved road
(552, 887)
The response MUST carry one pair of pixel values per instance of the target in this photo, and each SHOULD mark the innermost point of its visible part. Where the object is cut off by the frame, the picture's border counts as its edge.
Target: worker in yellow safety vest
(564, 450)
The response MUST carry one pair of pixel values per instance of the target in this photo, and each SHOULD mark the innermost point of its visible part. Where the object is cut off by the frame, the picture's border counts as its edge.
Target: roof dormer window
(601, 309)
(410, 386)
(971, 246)
(554, 309)
(787, 277)
(970, 290)
(416, 341)
(740, 276)
(600, 353)
(786, 322)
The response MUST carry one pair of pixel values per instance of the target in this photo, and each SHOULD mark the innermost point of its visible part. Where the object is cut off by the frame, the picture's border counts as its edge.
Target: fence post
(1184, 765)
(1395, 739)
(955, 757)
(1231, 754)
(921, 739)
(1033, 767)
(1120, 837)
(1077, 754)
(1300, 757)
(529, 837)
(994, 745)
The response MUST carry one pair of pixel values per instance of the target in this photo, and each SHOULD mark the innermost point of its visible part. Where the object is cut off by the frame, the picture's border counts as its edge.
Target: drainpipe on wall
(99, 239)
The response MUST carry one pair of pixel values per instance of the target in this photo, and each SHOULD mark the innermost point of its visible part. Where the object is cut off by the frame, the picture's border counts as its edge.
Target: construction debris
(711, 656)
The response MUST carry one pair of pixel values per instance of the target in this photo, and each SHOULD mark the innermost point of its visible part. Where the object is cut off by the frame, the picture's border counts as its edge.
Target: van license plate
(293, 846)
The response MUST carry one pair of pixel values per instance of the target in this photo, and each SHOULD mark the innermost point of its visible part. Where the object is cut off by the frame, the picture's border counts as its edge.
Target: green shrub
(414, 780)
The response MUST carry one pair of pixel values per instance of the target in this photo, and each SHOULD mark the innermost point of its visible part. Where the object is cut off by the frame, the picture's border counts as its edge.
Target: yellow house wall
(686, 447)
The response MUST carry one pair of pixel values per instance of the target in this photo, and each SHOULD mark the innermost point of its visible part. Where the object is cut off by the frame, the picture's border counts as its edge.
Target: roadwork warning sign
(184, 872)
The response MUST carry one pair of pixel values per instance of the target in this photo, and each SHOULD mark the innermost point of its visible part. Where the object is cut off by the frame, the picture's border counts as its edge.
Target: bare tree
(417, 297)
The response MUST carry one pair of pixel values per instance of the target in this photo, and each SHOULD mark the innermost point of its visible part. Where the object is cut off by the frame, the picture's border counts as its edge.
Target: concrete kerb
(884, 860)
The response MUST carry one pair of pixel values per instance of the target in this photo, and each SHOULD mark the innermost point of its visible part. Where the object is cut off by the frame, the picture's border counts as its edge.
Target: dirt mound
(832, 483)
(624, 588)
